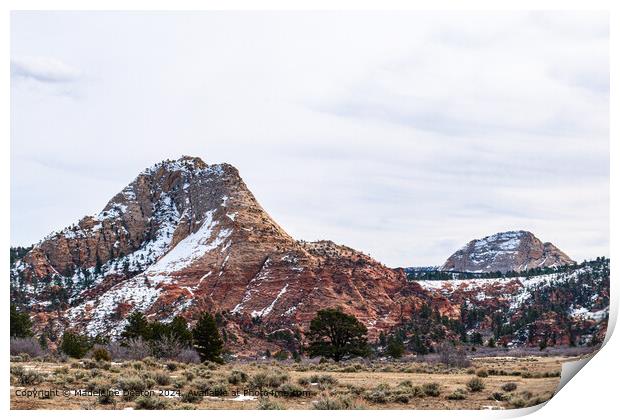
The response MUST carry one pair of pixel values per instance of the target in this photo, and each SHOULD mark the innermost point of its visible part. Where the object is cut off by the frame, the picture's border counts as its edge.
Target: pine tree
(75, 345)
(21, 326)
(137, 327)
(395, 347)
(179, 330)
(207, 340)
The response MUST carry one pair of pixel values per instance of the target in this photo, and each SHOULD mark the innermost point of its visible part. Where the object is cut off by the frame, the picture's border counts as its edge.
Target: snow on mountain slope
(506, 251)
(518, 291)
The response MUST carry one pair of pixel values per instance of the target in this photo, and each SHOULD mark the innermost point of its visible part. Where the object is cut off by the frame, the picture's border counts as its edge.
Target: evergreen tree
(137, 327)
(207, 340)
(395, 347)
(21, 326)
(179, 330)
(74, 345)
(43, 341)
(335, 334)
(476, 338)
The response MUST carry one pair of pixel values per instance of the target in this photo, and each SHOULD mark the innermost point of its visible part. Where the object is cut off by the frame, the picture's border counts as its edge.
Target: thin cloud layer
(43, 69)
(403, 135)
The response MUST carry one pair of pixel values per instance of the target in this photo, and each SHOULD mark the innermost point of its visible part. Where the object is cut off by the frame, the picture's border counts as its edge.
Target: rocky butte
(506, 251)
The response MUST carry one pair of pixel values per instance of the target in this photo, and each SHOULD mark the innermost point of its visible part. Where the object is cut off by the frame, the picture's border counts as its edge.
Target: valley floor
(285, 385)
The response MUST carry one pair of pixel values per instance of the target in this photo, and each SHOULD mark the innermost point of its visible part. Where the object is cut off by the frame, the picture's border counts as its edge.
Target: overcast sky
(403, 135)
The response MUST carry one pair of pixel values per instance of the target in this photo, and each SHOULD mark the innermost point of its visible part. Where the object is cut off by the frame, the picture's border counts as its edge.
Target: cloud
(402, 134)
(44, 70)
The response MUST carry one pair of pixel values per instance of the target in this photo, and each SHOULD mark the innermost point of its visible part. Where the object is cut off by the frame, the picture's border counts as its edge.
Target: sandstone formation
(185, 237)
(506, 251)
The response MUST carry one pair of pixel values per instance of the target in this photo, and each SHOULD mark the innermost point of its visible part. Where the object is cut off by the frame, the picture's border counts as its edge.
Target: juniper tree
(137, 327)
(335, 334)
(207, 340)
(21, 326)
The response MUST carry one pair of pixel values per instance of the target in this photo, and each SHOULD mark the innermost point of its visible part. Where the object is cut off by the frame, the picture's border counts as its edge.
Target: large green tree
(75, 345)
(21, 326)
(207, 339)
(179, 330)
(137, 327)
(335, 334)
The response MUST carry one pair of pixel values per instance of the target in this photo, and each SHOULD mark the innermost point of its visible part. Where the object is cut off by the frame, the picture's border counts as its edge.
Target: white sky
(403, 135)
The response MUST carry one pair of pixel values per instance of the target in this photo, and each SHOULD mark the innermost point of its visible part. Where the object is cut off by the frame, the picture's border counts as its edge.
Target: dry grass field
(489, 383)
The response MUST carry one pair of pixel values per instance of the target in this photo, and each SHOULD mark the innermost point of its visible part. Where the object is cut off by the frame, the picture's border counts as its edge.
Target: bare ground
(354, 385)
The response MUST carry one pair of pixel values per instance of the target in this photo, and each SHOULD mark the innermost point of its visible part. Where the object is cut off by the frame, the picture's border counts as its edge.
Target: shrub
(236, 377)
(132, 349)
(172, 366)
(482, 373)
(323, 379)
(187, 355)
(457, 395)
(97, 385)
(29, 346)
(218, 389)
(274, 380)
(131, 386)
(267, 404)
(379, 395)
(61, 370)
(431, 389)
(258, 380)
(26, 377)
(89, 364)
(401, 398)
(509, 386)
(281, 355)
(290, 390)
(101, 354)
(303, 381)
(449, 355)
(329, 403)
(179, 383)
(475, 385)
(162, 378)
(106, 398)
(151, 403)
(498, 396)
(192, 397)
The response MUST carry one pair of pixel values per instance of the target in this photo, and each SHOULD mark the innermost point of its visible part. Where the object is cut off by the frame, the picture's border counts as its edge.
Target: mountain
(506, 251)
(185, 237)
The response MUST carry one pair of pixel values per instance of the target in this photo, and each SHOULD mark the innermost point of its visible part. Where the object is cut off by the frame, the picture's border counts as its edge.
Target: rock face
(506, 251)
(185, 237)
